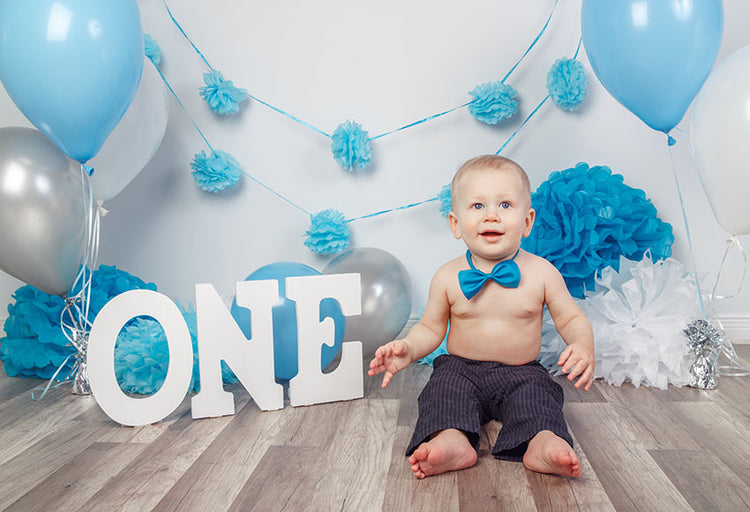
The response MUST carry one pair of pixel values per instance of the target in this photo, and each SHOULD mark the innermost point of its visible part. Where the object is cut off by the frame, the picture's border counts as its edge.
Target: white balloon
(135, 139)
(720, 140)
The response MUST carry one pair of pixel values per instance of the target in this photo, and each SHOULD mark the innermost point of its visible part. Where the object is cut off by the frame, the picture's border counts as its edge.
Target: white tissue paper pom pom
(637, 315)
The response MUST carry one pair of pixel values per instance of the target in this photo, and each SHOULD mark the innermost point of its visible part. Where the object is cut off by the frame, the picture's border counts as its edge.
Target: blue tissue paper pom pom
(351, 146)
(34, 344)
(328, 233)
(587, 217)
(216, 172)
(493, 102)
(566, 83)
(221, 95)
(445, 200)
(152, 49)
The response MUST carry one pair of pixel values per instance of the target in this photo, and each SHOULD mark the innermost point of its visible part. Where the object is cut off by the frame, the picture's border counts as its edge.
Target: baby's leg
(448, 450)
(549, 453)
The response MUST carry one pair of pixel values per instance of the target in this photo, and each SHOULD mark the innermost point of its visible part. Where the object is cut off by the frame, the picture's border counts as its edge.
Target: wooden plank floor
(642, 449)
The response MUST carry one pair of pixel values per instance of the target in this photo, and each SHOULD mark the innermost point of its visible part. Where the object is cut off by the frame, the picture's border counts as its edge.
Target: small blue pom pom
(152, 49)
(351, 146)
(493, 102)
(566, 83)
(445, 200)
(215, 173)
(221, 95)
(328, 233)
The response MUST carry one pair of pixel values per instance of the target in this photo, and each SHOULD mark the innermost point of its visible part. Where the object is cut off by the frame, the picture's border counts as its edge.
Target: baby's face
(492, 213)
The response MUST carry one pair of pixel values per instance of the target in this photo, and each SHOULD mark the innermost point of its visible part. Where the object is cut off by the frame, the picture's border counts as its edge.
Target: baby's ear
(455, 229)
(529, 222)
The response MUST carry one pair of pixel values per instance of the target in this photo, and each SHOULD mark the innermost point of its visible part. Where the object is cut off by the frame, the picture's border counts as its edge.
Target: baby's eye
(505, 205)
(477, 206)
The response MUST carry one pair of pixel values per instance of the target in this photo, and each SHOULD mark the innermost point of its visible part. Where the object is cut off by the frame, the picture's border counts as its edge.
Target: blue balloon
(285, 319)
(652, 55)
(71, 66)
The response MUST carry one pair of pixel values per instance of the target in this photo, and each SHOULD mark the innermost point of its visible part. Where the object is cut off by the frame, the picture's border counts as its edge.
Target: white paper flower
(638, 315)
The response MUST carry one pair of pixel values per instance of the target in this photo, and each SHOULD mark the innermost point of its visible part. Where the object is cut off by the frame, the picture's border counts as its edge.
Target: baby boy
(494, 299)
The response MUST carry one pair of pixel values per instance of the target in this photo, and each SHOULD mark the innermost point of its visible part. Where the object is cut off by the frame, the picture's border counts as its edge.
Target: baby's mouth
(491, 234)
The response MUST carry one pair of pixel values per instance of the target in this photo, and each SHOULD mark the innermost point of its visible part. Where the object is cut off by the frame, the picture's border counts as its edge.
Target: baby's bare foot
(549, 453)
(449, 450)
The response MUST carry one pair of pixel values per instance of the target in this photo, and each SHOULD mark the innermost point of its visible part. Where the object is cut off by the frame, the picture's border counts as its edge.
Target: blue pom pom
(328, 233)
(445, 200)
(215, 173)
(566, 83)
(586, 218)
(493, 102)
(152, 49)
(34, 344)
(351, 146)
(221, 95)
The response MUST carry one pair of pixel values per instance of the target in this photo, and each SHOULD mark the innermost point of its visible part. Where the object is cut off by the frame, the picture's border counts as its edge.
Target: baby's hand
(577, 360)
(391, 358)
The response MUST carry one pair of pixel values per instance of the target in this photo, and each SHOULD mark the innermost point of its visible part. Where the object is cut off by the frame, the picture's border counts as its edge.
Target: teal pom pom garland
(586, 218)
(493, 102)
(351, 146)
(221, 95)
(328, 233)
(566, 83)
(151, 49)
(216, 172)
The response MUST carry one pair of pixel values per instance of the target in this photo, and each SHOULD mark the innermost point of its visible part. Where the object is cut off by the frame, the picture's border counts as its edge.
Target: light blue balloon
(285, 348)
(71, 66)
(652, 55)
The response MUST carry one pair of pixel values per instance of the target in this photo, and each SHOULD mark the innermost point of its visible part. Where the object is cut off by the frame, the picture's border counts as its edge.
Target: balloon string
(699, 293)
(732, 242)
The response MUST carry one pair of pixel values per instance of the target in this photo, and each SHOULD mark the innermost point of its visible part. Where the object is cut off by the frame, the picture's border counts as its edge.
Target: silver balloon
(42, 214)
(386, 295)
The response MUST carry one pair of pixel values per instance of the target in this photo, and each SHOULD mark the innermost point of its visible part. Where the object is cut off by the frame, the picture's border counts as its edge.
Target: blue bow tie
(506, 273)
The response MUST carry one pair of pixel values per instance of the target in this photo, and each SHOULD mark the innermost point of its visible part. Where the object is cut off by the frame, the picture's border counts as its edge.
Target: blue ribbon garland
(318, 130)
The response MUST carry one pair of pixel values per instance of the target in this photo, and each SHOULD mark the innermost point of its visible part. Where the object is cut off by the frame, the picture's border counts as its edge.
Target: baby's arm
(577, 360)
(422, 339)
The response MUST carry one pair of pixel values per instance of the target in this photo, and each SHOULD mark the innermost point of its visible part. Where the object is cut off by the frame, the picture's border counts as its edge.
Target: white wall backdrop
(383, 64)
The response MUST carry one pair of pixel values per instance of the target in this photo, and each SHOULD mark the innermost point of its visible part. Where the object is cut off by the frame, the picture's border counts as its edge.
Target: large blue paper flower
(152, 49)
(566, 83)
(493, 102)
(216, 172)
(586, 218)
(34, 344)
(351, 146)
(328, 233)
(221, 95)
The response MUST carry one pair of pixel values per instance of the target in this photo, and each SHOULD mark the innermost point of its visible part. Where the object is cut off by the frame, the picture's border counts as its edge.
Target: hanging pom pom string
(533, 43)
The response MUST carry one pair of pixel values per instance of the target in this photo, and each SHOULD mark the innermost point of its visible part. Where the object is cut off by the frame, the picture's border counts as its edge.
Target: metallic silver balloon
(42, 213)
(386, 295)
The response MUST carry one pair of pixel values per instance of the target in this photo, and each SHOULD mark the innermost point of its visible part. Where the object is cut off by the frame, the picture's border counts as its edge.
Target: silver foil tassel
(705, 341)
